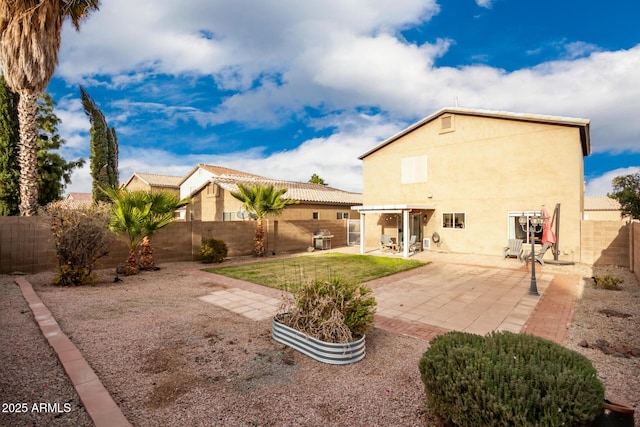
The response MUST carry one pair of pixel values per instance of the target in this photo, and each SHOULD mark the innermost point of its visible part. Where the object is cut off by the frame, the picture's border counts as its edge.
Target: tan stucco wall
(136, 184)
(485, 168)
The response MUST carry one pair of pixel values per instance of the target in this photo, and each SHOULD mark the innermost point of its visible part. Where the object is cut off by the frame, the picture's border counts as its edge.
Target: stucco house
(201, 174)
(460, 179)
(602, 208)
(212, 200)
(150, 181)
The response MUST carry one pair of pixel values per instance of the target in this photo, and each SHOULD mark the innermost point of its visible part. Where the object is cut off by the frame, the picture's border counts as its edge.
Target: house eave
(582, 124)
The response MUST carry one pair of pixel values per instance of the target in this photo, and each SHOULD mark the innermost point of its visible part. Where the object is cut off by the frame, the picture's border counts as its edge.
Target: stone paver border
(94, 396)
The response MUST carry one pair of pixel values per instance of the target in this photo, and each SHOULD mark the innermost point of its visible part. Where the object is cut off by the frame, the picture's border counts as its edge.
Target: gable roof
(301, 191)
(582, 124)
(217, 171)
(600, 203)
(156, 180)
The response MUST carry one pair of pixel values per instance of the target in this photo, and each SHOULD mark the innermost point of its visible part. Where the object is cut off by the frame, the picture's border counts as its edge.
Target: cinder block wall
(605, 243)
(26, 243)
(634, 247)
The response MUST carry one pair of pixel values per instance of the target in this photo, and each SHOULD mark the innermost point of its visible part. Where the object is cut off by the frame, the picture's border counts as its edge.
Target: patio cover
(389, 209)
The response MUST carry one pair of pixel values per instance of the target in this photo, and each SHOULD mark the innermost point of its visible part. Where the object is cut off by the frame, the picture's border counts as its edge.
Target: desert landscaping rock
(169, 359)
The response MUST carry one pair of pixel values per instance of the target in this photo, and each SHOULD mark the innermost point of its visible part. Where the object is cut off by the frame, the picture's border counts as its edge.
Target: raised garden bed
(332, 353)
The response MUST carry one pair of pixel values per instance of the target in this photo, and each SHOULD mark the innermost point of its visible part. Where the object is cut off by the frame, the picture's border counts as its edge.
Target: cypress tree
(104, 149)
(9, 137)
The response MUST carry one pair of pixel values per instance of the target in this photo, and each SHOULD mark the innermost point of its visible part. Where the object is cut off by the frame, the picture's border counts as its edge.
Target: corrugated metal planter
(332, 353)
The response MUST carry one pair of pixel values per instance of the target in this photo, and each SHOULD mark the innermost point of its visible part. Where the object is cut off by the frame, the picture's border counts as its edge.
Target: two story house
(460, 179)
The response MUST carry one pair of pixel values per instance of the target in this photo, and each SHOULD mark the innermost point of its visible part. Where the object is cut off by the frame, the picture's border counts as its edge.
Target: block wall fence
(27, 246)
(26, 243)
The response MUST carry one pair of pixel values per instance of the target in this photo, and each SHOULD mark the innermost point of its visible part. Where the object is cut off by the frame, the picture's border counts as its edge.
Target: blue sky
(286, 89)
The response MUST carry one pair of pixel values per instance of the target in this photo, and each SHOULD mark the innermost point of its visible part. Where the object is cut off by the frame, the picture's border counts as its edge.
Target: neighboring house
(202, 173)
(212, 201)
(77, 200)
(150, 181)
(464, 176)
(602, 208)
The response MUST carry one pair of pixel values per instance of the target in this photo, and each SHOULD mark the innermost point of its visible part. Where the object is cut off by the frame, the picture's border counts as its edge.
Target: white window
(414, 169)
(229, 216)
(516, 230)
(453, 220)
(342, 215)
(316, 215)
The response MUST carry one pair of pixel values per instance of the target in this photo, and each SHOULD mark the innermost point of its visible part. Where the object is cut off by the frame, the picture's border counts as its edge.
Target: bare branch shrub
(81, 237)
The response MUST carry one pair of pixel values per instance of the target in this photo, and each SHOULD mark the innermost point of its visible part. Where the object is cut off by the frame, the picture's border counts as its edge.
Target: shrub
(607, 282)
(509, 379)
(331, 310)
(213, 250)
(81, 238)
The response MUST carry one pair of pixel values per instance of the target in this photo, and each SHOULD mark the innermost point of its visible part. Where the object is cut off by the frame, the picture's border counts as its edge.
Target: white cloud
(602, 185)
(335, 56)
(485, 3)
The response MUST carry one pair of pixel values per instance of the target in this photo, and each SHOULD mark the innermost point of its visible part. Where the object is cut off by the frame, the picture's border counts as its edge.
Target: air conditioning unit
(426, 243)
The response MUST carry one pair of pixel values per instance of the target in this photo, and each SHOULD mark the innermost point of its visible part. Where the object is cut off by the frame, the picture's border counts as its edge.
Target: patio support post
(362, 215)
(405, 233)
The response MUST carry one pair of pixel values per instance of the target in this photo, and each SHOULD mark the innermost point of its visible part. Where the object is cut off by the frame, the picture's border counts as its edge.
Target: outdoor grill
(322, 239)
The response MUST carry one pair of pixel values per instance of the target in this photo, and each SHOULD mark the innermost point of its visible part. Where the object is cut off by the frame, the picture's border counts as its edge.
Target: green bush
(213, 250)
(331, 310)
(607, 282)
(509, 379)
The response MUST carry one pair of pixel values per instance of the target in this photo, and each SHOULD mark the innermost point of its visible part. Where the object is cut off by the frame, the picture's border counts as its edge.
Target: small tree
(162, 213)
(81, 238)
(627, 193)
(262, 200)
(315, 179)
(138, 215)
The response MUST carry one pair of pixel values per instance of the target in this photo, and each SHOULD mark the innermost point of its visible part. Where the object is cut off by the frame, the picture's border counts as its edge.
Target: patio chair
(538, 254)
(413, 246)
(514, 249)
(386, 243)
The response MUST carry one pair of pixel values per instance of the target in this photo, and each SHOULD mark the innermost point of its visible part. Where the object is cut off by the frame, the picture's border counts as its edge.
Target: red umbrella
(547, 233)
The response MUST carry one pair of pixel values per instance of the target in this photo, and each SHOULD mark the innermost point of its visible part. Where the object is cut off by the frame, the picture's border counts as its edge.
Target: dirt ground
(169, 359)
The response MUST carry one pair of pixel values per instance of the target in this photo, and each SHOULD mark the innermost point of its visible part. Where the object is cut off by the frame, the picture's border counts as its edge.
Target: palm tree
(30, 33)
(162, 213)
(138, 215)
(128, 216)
(262, 200)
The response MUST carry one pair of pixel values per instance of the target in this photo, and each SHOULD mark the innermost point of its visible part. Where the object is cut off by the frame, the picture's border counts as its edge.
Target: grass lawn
(285, 272)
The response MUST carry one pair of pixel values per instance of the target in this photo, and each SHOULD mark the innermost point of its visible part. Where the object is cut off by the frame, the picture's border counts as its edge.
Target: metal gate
(353, 232)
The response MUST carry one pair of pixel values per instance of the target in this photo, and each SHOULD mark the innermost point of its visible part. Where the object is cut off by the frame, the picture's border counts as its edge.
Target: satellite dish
(253, 216)
(242, 214)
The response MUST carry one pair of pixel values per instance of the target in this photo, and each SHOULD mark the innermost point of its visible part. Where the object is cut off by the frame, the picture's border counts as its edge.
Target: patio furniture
(538, 254)
(386, 243)
(514, 249)
(413, 244)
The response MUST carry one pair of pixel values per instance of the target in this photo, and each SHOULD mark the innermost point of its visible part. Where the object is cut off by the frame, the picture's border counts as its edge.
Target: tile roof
(157, 180)
(222, 171)
(77, 200)
(300, 191)
(601, 203)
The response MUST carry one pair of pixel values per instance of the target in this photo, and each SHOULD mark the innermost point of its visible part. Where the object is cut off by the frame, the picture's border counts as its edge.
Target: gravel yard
(169, 359)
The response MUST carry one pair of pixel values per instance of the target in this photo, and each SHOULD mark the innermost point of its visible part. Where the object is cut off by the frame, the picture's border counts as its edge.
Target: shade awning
(391, 209)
